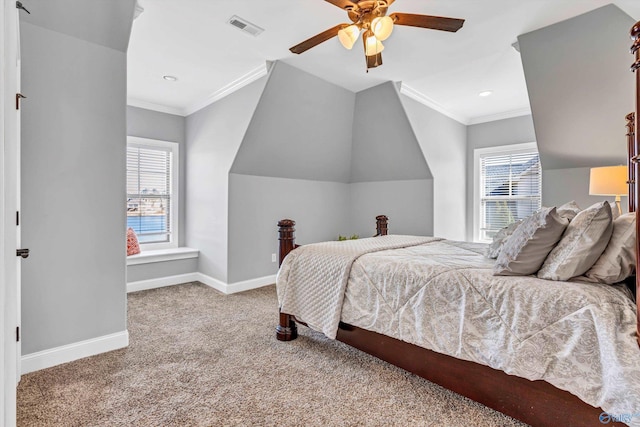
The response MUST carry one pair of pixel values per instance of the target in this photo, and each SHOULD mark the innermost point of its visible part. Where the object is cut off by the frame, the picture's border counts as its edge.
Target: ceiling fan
(370, 17)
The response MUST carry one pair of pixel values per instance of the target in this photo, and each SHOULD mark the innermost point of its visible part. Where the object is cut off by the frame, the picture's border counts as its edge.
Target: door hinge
(18, 96)
(17, 333)
(17, 218)
(24, 253)
(21, 7)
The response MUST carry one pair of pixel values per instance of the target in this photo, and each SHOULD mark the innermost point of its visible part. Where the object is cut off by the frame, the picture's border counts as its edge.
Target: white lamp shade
(382, 27)
(372, 45)
(608, 181)
(348, 36)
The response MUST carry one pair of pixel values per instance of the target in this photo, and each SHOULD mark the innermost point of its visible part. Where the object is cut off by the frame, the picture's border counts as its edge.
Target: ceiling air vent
(245, 25)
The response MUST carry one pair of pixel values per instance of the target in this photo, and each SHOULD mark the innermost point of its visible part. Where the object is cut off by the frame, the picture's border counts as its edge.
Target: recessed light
(170, 78)
(485, 93)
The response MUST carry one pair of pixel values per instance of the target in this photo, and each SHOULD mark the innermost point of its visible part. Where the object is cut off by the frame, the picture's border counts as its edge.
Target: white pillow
(581, 245)
(569, 210)
(618, 261)
(525, 251)
(615, 213)
(494, 248)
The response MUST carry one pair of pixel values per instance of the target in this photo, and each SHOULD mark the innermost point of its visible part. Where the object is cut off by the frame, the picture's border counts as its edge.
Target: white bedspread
(441, 295)
(312, 279)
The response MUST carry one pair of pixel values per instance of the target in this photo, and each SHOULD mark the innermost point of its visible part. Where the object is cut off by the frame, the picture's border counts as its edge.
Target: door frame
(9, 146)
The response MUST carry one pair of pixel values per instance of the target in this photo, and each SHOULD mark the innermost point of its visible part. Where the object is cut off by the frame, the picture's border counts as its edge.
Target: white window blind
(149, 195)
(510, 189)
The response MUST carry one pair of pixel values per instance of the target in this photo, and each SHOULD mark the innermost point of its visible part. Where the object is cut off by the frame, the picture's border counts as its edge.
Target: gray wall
(580, 88)
(408, 204)
(562, 185)
(73, 179)
(443, 142)
(256, 204)
(213, 137)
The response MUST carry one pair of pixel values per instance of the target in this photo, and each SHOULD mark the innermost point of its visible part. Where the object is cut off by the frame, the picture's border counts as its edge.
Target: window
(508, 183)
(152, 191)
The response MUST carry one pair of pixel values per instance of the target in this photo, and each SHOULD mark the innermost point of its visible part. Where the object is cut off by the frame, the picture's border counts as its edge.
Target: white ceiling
(191, 39)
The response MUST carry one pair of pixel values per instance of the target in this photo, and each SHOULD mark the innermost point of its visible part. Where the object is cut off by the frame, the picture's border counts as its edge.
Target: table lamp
(609, 181)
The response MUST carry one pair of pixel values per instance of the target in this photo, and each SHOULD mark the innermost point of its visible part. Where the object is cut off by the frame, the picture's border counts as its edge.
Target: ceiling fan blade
(317, 39)
(343, 4)
(427, 21)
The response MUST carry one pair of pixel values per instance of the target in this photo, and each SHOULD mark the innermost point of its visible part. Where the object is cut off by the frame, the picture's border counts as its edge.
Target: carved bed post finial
(381, 225)
(287, 238)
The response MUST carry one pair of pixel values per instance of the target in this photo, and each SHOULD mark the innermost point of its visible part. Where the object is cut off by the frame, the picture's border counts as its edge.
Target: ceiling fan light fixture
(382, 27)
(372, 45)
(348, 36)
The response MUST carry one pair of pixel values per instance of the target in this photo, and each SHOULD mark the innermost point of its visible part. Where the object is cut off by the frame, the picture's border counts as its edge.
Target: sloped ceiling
(300, 129)
(580, 88)
(107, 23)
(384, 145)
(307, 128)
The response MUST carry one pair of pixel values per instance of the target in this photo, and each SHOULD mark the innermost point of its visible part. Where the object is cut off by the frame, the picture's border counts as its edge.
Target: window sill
(161, 255)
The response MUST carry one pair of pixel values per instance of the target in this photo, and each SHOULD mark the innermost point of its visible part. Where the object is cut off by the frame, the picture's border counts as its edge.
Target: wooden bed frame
(535, 402)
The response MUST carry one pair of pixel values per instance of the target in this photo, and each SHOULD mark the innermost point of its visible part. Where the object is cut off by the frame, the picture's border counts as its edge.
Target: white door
(9, 198)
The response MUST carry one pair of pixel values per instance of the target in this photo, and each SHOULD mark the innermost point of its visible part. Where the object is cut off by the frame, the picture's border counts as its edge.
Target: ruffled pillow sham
(569, 210)
(618, 261)
(524, 252)
(582, 243)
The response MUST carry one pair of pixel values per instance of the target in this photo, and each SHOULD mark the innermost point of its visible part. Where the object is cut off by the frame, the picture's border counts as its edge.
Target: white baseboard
(225, 288)
(143, 285)
(232, 288)
(70, 352)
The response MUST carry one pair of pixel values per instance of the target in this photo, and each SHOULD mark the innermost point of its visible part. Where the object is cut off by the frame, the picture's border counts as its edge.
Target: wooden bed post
(381, 225)
(631, 149)
(286, 329)
(286, 237)
(633, 162)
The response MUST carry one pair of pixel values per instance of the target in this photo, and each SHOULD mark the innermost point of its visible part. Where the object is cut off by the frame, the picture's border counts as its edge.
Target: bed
(482, 345)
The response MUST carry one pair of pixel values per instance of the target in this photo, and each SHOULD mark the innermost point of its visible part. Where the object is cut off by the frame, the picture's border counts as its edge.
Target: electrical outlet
(273, 257)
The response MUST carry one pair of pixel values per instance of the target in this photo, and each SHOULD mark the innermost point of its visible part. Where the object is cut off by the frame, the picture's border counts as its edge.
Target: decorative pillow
(132, 242)
(493, 250)
(524, 252)
(618, 261)
(569, 210)
(581, 245)
(615, 213)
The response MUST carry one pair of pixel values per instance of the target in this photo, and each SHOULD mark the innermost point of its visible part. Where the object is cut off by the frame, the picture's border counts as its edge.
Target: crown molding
(235, 85)
(155, 107)
(425, 100)
(500, 116)
(228, 89)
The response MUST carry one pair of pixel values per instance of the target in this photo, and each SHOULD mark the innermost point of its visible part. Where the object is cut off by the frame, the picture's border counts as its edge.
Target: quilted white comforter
(441, 295)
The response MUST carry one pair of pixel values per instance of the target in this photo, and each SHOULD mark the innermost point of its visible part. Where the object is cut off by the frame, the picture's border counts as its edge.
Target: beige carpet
(200, 358)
